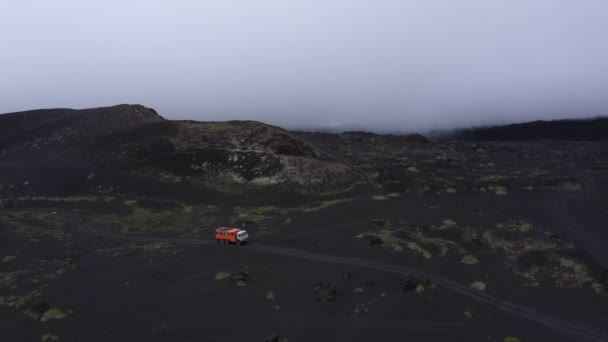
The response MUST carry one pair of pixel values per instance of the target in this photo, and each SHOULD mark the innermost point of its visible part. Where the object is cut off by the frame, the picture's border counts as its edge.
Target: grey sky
(377, 64)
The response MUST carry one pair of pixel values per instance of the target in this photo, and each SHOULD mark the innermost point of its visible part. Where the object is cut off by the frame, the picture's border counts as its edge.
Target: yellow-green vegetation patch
(479, 286)
(532, 274)
(18, 301)
(221, 275)
(440, 245)
(413, 246)
(516, 226)
(450, 190)
(9, 279)
(379, 198)
(491, 178)
(266, 219)
(570, 186)
(142, 219)
(53, 313)
(499, 190)
(156, 247)
(389, 240)
(34, 226)
(270, 295)
(387, 237)
(570, 273)
(425, 241)
(511, 339)
(468, 314)
(9, 258)
(448, 223)
(469, 260)
(597, 288)
(67, 199)
(542, 255)
(49, 338)
(131, 202)
(393, 195)
(325, 204)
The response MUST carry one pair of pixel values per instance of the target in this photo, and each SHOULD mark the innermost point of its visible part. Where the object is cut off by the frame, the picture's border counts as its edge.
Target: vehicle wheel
(238, 243)
(218, 241)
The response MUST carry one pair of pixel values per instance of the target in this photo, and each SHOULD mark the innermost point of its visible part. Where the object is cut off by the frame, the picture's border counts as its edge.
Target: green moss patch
(413, 246)
(511, 339)
(309, 208)
(34, 226)
(187, 220)
(49, 338)
(499, 190)
(569, 186)
(156, 247)
(9, 258)
(469, 260)
(516, 226)
(265, 219)
(221, 275)
(53, 313)
(479, 286)
(67, 199)
(386, 237)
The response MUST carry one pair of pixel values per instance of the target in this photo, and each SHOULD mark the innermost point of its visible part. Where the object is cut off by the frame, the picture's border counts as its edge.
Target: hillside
(574, 130)
(107, 221)
(232, 156)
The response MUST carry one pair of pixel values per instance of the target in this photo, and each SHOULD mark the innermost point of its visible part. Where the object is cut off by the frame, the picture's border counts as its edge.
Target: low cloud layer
(391, 66)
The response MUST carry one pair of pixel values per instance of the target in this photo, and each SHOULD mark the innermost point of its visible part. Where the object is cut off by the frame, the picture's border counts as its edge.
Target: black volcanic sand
(87, 254)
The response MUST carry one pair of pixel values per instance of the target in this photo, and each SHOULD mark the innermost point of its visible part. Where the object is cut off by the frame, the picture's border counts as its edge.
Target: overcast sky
(382, 65)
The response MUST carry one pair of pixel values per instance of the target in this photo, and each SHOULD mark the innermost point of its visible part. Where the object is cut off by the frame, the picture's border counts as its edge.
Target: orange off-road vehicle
(231, 235)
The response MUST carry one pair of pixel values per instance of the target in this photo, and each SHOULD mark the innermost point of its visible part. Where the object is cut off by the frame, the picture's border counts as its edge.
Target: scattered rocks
(409, 283)
(325, 291)
(373, 241)
(240, 278)
(37, 310)
(273, 338)
(347, 276)
(7, 203)
(276, 338)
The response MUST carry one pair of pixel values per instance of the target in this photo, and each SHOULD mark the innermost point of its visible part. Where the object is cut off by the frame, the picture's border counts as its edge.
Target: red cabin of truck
(229, 234)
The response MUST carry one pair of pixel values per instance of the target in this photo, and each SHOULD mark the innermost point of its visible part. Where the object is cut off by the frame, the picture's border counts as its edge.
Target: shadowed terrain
(575, 130)
(107, 218)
